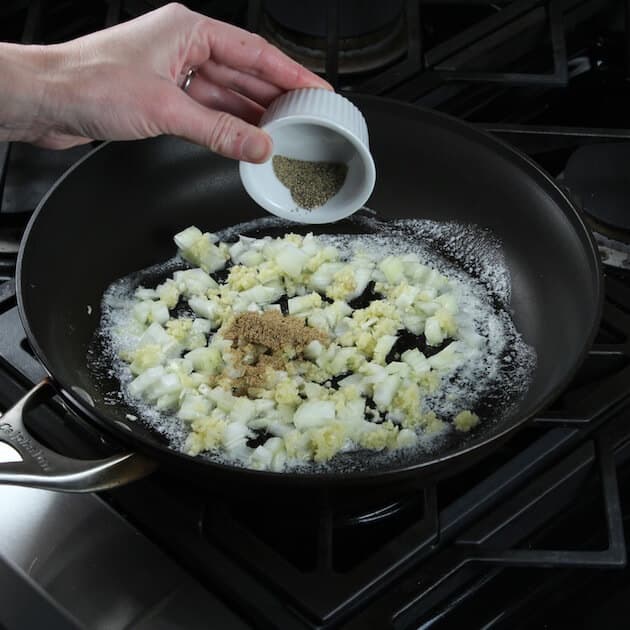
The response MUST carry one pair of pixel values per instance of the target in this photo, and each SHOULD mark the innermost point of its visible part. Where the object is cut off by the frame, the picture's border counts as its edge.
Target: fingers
(252, 87)
(221, 98)
(220, 131)
(233, 47)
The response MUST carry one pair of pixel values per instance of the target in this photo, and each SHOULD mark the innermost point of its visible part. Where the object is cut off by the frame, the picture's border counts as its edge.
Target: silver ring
(190, 75)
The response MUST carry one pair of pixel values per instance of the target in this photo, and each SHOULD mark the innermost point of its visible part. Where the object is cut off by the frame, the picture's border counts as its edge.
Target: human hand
(123, 83)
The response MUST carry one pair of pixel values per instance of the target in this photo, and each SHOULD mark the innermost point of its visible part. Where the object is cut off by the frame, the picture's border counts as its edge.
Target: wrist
(26, 81)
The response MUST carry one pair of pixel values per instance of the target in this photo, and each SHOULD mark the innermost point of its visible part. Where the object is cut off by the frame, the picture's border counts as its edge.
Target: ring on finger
(188, 78)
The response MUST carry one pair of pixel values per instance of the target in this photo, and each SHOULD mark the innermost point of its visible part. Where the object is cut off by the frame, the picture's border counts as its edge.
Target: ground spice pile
(311, 184)
(271, 338)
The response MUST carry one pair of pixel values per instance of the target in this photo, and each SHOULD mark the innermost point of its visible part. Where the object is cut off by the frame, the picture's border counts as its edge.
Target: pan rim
(385, 475)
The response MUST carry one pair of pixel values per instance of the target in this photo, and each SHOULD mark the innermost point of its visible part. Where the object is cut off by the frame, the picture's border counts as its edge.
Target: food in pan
(274, 352)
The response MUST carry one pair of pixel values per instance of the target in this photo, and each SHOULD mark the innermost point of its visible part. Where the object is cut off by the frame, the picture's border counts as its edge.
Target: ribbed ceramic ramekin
(319, 126)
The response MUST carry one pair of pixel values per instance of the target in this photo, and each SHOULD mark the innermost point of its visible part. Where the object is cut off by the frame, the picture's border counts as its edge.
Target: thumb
(221, 132)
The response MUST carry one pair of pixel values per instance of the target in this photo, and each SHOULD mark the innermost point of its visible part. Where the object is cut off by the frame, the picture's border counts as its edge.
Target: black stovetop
(532, 536)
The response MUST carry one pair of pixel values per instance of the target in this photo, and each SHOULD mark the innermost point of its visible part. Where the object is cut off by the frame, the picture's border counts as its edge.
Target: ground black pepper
(311, 184)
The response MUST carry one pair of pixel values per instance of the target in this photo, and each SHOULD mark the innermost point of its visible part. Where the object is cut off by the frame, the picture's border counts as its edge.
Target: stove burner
(304, 527)
(357, 54)
(597, 177)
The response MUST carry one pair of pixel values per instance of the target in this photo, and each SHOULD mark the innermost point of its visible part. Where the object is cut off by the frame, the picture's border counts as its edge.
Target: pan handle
(39, 467)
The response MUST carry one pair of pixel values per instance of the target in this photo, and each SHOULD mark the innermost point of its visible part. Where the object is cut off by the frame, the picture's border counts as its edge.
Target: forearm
(122, 83)
(24, 84)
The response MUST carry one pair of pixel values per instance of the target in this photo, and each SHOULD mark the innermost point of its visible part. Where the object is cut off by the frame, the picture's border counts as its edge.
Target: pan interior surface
(117, 211)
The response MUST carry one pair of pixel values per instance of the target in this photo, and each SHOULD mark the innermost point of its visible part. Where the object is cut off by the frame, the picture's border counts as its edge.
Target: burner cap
(598, 177)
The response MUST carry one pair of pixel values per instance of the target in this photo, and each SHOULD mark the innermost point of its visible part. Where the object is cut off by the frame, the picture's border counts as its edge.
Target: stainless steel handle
(42, 468)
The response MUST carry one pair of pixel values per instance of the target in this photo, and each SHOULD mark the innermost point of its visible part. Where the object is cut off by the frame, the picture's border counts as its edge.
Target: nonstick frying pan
(116, 212)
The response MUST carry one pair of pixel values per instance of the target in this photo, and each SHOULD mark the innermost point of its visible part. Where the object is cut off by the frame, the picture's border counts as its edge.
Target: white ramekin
(316, 125)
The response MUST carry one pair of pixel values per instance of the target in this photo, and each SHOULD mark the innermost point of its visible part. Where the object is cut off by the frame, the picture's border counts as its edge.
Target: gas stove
(532, 536)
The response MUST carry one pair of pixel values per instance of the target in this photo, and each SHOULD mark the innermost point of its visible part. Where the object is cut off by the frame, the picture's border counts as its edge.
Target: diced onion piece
(382, 348)
(243, 410)
(416, 361)
(314, 413)
(336, 312)
(362, 277)
(291, 260)
(168, 293)
(263, 406)
(194, 282)
(373, 372)
(261, 458)
(148, 311)
(258, 295)
(180, 366)
(186, 238)
(144, 381)
(407, 297)
(313, 350)
(355, 380)
(274, 445)
(205, 360)
(205, 308)
(414, 324)
(385, 390)
(166, 384)
(237, 249)
(448, 302)
(142, 311)
(146, 357)
(235, 437)
(194, 407)
(279, 429)
(445, 359)
(142, 293)
(399, 368)
(159, 312)
(304, 303)
(339, 363)
(202, 251)
(393, 268)
(250, 258)
(310, 245)
(168, 402)
(353, 411)
(433, 332)
(222, 399)
(428, 294)
(156, 335)
(318, 319)
(201, 326)
(279, 461)
(322, 278)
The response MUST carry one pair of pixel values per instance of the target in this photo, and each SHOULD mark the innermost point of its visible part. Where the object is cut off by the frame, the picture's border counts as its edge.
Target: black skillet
(117, 210)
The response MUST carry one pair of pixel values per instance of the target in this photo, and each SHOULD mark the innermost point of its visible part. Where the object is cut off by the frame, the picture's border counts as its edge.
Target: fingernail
(256, 148)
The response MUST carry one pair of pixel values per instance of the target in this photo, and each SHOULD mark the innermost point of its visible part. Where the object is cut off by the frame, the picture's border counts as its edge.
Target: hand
(123, 83)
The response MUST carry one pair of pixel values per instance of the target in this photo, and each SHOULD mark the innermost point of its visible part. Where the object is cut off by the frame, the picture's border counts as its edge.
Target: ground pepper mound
(271, 338)
(273, 330)
(311, 184)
